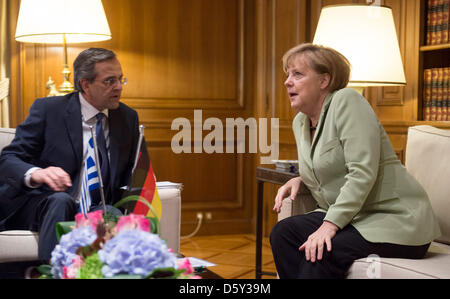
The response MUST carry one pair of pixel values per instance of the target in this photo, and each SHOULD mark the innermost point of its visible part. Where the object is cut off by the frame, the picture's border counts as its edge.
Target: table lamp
(62, 22)
(366, 36)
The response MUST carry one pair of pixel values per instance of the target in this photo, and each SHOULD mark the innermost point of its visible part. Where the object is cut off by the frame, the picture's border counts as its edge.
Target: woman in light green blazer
(367, 203)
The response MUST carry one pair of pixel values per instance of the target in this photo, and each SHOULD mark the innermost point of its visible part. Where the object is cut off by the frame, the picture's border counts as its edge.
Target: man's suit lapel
(74, 126)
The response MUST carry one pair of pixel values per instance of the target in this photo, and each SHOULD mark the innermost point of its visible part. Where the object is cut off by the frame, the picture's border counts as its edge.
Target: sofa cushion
(6, 136)
(428, 160)
(18, 245)
(436, 264)
(170, 217)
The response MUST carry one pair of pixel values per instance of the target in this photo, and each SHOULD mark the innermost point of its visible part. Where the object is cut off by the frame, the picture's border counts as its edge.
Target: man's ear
(325, 80)
(84, 83)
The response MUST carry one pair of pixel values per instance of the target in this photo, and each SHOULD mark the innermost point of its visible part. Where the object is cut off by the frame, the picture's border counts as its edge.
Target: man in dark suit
(42, 170)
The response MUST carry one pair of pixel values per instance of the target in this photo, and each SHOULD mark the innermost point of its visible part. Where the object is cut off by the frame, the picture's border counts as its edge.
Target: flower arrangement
(126, 248)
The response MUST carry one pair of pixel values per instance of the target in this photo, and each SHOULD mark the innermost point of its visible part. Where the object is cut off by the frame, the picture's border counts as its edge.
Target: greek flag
(90, 180)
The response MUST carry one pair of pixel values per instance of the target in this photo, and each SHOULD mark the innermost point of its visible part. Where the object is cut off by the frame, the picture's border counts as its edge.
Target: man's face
(104, 92)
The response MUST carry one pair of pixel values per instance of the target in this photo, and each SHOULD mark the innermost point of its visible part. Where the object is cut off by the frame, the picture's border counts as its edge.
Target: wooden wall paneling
(15, 90)
(394, 95)
(284, 27)
(196, 61)
(189, 60)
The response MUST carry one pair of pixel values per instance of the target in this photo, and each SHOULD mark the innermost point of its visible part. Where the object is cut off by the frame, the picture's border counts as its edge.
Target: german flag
(143, 184)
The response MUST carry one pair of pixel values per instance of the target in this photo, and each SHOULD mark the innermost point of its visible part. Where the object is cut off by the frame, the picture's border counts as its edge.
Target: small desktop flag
(143, 183)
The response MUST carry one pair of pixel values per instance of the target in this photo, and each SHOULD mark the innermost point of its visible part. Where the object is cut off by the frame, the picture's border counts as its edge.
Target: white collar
(87, 110)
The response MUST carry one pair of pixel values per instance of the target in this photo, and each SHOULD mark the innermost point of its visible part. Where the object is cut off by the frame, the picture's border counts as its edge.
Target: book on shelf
(427, 94)
(436, 94)
(437, 22)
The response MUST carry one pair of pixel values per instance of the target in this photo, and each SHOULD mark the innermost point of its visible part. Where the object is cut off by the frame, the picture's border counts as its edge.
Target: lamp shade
(49, 21)
(366, 36)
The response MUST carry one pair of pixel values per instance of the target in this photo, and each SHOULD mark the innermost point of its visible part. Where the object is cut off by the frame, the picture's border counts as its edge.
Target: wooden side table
(273, 176)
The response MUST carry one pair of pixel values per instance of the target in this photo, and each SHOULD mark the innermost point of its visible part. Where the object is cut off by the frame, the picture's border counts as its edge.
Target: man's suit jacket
(355, 176)
(52, 136)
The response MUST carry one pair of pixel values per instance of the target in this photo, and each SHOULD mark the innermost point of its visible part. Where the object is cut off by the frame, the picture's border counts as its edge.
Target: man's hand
(290, 188)
(316, 241)
(56, 178)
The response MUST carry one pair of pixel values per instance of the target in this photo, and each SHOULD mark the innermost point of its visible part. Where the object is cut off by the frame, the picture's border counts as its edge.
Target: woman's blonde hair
(322, 60)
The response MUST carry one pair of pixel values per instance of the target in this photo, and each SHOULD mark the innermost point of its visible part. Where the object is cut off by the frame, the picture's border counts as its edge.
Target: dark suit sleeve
(18, 157)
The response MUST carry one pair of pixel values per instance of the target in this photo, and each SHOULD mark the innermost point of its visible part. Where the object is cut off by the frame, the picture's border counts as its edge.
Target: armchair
(428, 161)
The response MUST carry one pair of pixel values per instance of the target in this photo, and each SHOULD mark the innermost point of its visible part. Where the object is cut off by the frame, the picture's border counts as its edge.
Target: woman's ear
(325, 80)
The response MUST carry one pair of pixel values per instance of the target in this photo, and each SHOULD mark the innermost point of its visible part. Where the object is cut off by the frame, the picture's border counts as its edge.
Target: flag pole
(97, 164)
(138, 149)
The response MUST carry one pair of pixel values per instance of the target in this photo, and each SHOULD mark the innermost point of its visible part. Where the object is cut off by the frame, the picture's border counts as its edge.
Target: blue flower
(64, 252)
(135, 252)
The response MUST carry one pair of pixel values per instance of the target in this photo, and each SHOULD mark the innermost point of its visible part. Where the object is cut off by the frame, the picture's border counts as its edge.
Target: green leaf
(46, 270)
(63, 228)
(153, 224)
(92, 268)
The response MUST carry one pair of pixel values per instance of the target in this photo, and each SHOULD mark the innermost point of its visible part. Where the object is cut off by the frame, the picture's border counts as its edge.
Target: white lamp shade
(47, 21)
(366, 36)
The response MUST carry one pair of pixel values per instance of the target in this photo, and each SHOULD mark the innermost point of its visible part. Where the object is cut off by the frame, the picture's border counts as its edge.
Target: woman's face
(304, 86)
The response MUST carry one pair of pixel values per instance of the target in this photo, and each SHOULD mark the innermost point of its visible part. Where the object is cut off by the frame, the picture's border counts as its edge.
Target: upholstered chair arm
(303, 203)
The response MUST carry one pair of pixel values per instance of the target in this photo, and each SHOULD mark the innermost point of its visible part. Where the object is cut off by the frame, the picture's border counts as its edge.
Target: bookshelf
(434, 62)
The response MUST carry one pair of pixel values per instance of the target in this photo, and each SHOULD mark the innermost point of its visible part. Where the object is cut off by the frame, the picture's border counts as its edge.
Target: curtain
(4, 64)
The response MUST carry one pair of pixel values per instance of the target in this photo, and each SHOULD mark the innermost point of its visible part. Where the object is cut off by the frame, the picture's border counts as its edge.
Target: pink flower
(133, 221)
(92, 219)
(72, 271)
(186, 264)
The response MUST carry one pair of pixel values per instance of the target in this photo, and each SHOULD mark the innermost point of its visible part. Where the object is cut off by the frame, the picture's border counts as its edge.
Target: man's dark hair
(84, 64)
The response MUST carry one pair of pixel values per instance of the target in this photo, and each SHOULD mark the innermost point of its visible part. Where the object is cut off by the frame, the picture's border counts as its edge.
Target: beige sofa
(21, 245)
(428, 160)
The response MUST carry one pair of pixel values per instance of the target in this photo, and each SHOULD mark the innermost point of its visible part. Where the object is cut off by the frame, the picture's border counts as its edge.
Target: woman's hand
(290, 188)
(316, 241)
